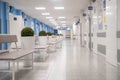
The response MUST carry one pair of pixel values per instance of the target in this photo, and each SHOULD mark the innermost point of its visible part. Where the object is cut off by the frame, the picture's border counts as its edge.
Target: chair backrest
(4, 38)
(8, 38)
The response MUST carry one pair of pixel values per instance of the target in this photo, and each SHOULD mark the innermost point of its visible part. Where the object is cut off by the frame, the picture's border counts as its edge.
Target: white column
(111, 49)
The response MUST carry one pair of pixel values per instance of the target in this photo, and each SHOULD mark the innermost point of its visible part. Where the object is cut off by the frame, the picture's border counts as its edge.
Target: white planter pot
(27, 43)
(52, 39)
(59, 43)
(49, 39)
(43, 40)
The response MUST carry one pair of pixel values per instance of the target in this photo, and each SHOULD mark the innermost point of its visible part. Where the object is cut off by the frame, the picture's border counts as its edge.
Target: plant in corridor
(49, 33)
(27, 31)
(61, 34)
(42, 33)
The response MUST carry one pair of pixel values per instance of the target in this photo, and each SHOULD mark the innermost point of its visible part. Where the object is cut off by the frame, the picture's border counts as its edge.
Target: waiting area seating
(13, 57)
(18, 54)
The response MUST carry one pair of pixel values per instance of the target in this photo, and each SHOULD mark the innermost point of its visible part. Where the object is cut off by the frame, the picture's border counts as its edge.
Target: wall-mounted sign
(90, 7)
(84, 14)
(15, 18)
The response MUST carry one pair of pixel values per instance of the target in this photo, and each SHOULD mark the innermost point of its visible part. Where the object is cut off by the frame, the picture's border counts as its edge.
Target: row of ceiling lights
(51, 19)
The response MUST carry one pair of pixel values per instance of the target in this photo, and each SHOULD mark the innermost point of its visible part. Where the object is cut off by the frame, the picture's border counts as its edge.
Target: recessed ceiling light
(40, 8)
(63, 21)
(63, 24)
(58, 7)
(49, 17)
(61, 17)
(45, 13)
(55, 23)
(57, 27)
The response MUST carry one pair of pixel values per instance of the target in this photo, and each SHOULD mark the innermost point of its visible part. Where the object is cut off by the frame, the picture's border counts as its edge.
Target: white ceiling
(72, 8)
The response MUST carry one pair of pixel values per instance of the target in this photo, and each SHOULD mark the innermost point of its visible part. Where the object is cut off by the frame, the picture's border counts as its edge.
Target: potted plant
(42, 38)
(27, 42)
(61, 36)
(51, 42)
(49, 33)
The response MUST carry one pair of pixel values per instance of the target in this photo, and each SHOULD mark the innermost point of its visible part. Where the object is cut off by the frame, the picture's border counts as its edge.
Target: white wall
(103, 22)
(16, 27)
(111, 32)
(99, 26)
(118, 30)
(75, 31)
(64, 33)
(85, 31)
(68, 33)
(95, 30)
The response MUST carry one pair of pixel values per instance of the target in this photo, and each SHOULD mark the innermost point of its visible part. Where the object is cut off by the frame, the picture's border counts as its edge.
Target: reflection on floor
(69, 63)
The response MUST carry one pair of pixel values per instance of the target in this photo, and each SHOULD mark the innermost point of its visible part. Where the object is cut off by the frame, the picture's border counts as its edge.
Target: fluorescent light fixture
(61, 17)
(57, 26)
(45, 13)
(40, 8)
(49, 17)
(63, 21)
(54, 23)
(58, 7)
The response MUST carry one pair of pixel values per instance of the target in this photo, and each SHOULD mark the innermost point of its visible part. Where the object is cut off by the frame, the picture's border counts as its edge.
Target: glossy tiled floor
(70, 63)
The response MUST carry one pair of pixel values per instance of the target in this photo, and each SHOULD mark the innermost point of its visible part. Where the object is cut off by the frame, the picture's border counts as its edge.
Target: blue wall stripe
(5, 8)
(4, 20)
(18, 12)
(15, 11)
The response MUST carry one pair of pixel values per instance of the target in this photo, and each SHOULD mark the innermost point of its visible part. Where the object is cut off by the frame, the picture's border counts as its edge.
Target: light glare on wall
(108, 7)
(108, 13)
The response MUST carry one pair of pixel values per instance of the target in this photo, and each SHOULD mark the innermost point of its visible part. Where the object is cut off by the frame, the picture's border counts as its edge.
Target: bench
(41, 48)
(13, 56)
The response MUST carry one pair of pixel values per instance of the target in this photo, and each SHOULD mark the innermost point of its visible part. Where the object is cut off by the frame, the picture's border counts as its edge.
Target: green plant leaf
(27, 31)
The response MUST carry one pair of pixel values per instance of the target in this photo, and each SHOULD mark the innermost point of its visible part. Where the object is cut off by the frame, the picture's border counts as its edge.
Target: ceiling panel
(72, 8)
